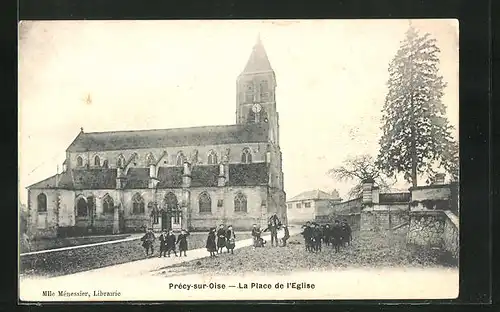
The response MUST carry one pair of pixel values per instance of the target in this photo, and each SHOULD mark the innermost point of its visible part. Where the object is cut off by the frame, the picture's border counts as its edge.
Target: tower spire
(258, 60)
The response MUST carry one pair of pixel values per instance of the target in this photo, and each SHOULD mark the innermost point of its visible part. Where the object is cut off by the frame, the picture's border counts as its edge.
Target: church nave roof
(162, 138)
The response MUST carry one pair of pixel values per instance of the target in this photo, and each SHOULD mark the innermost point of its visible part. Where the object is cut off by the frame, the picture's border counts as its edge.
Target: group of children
(337, 235)
(217, 239)
(220, 238)
(168, 242)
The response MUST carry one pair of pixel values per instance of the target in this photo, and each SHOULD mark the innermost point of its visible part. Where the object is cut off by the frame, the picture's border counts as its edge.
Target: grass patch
(93, 257)
(54, 243)
(369, 249)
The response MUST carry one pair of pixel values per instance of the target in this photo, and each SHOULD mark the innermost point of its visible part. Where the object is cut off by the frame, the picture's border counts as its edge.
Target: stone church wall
(226, 214)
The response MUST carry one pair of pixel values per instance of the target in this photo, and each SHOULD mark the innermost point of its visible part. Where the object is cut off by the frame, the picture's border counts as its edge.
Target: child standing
(163, 247)
(211, 245)
(171, 243)
(230, 239)
(182, 241)
(147, 241)
(221, 238)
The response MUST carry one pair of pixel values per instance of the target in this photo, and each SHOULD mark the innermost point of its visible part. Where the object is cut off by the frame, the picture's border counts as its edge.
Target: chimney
(439, 179)
(223, 174)
(367, 191)
(186, 175)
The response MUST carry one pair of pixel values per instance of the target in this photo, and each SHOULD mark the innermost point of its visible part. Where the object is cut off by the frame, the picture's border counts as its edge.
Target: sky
(331, 77)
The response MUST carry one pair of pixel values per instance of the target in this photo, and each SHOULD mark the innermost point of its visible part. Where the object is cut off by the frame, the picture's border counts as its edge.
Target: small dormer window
(246, 156)
(97, 161)
(212, 158)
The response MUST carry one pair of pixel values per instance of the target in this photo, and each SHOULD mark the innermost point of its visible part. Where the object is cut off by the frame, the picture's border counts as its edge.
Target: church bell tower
(255, 89)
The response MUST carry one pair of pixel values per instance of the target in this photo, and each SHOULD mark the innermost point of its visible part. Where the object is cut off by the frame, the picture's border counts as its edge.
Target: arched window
(137, 204)
(205, 203)
(249, 92)
(120, 161)
(180, 159)
(81, 207)
(105, 164)
(108, 204)
(42, 202)
(212, 158)
(79, 161)
(97, 161)
(264, 90)
(240, 203)
(171, 201)
(246, 156)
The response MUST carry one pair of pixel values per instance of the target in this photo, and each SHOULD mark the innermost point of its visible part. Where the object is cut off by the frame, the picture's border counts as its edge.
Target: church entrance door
(165, 222)
(170, 215)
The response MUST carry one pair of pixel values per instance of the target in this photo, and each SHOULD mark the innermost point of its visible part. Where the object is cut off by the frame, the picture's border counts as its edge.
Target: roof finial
(81, 129)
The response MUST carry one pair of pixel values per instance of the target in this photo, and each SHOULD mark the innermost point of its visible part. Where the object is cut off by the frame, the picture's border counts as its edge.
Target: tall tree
(358, 169)
(416, 133)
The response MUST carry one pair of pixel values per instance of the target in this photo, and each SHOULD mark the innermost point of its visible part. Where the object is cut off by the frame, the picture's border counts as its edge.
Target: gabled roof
(258, 60)
(162, 138)
(312, 195)
(169, 177)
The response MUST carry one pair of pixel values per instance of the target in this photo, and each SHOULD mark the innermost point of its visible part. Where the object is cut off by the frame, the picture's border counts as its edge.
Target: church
(188, 178)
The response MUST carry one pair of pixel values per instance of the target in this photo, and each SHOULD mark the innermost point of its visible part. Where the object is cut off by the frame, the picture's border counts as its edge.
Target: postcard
(238, 160)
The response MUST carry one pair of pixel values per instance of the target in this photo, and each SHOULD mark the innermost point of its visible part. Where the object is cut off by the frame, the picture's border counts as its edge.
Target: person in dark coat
(307, 234)
(346, 233)
(163, 246)
(148, 241)
(336, 235)
(327, 234)
(317, 236)
(273, 224)
(182, 242)
(211, 242)
(221, 238)
(230, 239)
(170, 243)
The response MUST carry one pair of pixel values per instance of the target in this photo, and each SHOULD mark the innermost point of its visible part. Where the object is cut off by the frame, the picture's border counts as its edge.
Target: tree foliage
(416, 133)
(358, 169)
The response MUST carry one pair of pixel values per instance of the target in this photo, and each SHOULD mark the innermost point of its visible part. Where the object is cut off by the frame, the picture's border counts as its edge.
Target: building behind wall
(193, 178)
(309, 204)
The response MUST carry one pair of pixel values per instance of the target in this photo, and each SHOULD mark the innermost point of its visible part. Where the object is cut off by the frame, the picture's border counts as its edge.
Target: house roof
(312, 195)
(169, 177)
(161, 138)
(258, 60)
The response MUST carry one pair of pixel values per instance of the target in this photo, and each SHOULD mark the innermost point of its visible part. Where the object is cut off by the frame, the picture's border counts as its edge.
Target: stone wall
(377, 220)
(426, 228)
(434, 229)
(451, 234)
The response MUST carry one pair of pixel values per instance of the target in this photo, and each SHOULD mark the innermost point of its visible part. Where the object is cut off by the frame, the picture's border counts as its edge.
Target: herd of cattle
(337, 235)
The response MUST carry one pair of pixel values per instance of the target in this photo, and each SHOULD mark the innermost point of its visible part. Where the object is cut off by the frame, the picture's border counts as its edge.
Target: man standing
(273, 225)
